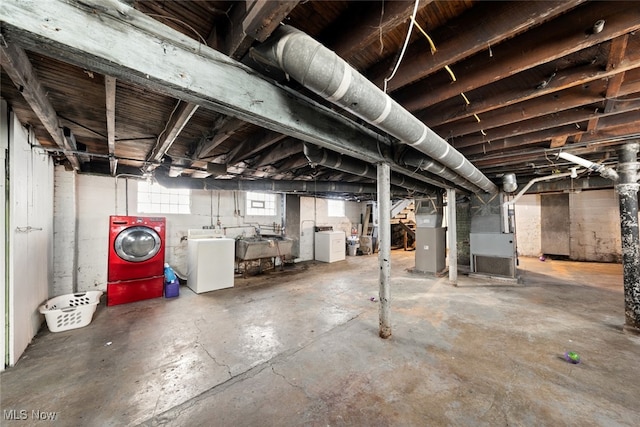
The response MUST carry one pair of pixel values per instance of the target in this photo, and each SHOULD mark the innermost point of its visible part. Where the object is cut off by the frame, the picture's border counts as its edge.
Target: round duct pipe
(325, 73)
(342, 163)
(509, 182)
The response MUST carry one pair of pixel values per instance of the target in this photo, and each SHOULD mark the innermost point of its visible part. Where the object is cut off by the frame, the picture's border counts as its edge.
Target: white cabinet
(211, 264)
(330, 246)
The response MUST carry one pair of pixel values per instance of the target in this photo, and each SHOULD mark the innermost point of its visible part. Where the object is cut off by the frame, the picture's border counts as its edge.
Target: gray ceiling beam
(15, 62)
(150, 54)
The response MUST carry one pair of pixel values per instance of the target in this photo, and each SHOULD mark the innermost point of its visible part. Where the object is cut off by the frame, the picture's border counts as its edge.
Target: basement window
(154, 198)
(335, 208)
(261, 204)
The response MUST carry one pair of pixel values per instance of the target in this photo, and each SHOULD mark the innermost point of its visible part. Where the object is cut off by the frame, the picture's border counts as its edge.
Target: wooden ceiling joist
(15, 62)
(368, 28)
(224, 129)
(563, 80)
(254, 20)
(180, 117)
(547, 42)
(544, 105)
(284, 149)
(110, 101)
(505, 20)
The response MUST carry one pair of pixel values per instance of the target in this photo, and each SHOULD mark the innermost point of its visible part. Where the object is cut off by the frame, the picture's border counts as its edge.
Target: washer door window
(137, 244)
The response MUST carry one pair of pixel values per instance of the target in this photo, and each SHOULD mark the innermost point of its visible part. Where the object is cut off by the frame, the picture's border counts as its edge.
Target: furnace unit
(430, 236)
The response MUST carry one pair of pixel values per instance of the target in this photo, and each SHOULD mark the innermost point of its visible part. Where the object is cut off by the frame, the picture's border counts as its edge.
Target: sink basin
(263, 247)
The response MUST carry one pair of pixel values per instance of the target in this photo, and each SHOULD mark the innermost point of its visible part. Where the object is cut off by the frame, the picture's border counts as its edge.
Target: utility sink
(249, 248)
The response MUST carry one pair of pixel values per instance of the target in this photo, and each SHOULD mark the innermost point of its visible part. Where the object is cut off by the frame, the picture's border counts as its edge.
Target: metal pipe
(266, 185)
(353, 166)
(601, 169)
(438, 169)
(384, 254)
(627, 191)
(533, 181)
(452, 236)
(325, 73)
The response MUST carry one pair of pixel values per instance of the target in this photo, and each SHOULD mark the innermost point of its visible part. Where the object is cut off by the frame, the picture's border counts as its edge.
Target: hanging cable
(432, 45)
(404, 47)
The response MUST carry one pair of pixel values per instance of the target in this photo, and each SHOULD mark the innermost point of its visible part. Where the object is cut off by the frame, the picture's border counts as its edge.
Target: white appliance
(330, 246)
(211, 263)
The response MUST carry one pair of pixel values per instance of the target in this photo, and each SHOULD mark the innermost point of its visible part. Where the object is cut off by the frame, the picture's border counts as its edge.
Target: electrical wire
(404, 47)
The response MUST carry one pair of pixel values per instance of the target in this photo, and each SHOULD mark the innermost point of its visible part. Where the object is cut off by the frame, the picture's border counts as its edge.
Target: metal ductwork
(325, 73)
(436, 168)
(264, 185)
(350, 165)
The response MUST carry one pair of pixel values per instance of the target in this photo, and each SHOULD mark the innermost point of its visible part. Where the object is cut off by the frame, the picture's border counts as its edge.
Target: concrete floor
(301, 348)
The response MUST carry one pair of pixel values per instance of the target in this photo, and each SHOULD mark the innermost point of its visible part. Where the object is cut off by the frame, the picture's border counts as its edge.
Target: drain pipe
(342, 163)
(627, 190)
(325, 73)
(511, 203)
(604, 171)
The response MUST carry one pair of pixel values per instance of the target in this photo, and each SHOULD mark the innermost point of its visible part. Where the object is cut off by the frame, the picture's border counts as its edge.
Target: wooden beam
(544, 105)
(627, 120)
(221, 132)
(179, 67)
(286, 148)
(254, 21)
(252, 147)
(15, 62)
(174, 126)
(110, 101)
(367, 29)
(563, 80)
(616, 55)
(558, 141)
(294, 162)
(576, 115)
(550, 41)
(478, 30)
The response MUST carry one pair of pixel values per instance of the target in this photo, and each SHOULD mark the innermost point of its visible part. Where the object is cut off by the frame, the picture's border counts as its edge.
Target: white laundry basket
(70, 311)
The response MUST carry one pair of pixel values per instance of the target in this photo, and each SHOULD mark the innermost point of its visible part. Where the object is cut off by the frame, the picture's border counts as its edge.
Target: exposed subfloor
(301, 347)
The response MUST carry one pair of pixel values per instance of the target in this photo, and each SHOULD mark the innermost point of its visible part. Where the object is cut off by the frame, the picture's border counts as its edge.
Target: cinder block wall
(528, 232)
(595, 226)
(594, 232)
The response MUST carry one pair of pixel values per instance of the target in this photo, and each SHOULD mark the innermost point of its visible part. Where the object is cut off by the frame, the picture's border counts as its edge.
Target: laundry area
(241, 213)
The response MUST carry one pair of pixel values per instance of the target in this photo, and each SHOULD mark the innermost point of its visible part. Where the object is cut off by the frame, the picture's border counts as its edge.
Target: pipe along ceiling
(325, 73)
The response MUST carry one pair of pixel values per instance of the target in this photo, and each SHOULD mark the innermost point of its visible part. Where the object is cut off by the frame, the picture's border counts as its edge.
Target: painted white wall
(96, 201)
(30, 236)
(4, 146)
(314, 212)
(594, 231)
(64, 232)
(528, 231)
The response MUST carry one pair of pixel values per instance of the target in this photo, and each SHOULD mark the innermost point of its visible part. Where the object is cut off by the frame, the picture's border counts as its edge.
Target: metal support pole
(628, 194)
(452, 236)
(384, 255)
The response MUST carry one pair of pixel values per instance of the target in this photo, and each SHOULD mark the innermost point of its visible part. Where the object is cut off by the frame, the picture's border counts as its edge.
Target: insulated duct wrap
(266, 185)
(356, 167)
(322, 71)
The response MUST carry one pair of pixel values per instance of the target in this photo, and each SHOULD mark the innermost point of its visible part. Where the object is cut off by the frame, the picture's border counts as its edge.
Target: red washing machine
(136, 258)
